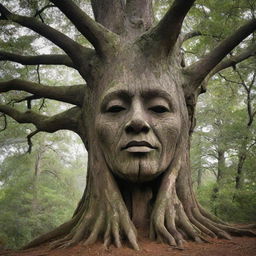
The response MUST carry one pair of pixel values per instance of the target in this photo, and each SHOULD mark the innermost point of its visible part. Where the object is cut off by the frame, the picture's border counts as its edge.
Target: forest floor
(238, 246)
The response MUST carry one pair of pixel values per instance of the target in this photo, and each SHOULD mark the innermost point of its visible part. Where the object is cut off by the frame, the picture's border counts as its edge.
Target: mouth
(138, 147)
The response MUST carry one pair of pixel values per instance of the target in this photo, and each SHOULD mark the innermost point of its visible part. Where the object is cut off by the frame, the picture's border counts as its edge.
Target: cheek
(107, 133)
(168, 132)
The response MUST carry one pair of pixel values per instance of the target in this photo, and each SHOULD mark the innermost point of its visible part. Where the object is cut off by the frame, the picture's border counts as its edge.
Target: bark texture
(138, 88)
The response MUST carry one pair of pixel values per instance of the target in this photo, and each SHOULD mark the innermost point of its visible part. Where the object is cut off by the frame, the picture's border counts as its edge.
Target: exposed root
(59, 231)
(171, 224)
(163, 224)
(173, 221)
(185, 225)
(210, 225)
(104, 216)
(96, 230)
(115, 232)
(107, 236)
(209, 215)
(237, 231)
(105, 220)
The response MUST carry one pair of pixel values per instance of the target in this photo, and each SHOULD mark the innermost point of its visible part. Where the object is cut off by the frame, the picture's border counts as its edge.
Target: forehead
(146, 86)
(125, 94)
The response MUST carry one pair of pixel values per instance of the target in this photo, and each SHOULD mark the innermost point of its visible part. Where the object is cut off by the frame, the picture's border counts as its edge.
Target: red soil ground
(238, 246)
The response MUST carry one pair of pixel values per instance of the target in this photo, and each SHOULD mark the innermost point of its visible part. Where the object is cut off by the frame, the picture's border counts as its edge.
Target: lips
(138, 147)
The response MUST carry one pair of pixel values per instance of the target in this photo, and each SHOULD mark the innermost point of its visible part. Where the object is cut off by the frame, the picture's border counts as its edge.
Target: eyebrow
(157, 93)
(123, 94)
(127, 95)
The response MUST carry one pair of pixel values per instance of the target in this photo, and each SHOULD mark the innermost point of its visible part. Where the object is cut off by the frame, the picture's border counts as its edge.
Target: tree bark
(239, 176)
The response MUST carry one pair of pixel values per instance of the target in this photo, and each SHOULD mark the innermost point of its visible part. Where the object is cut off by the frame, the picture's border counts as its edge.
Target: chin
(138, 171)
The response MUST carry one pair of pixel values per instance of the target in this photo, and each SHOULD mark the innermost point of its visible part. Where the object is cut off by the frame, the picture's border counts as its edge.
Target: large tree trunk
(136, 121)
(126, 203)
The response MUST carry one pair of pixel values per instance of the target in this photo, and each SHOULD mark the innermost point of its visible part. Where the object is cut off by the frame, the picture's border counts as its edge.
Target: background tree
(39, 190)
(222, 119)
(129, 49)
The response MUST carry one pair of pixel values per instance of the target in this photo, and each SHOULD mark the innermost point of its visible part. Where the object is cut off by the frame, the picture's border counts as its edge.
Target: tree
(135, 116)
(38, 191)
(221, 130)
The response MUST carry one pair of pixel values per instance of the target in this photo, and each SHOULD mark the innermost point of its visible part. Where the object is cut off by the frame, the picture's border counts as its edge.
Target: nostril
(129, 129)
(145, 129)
(137, 126)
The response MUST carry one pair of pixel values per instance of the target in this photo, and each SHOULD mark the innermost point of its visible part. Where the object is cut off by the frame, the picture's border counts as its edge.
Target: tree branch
(234, 60)
(29, 137)
(28, 99)
(104, 14)
(101, 38)
(5, 122)
(164, 35)
(67, 120)
(192, 34)
(52, 59)
(229, 80)
(199, 70)
(70, 94)
(74, 50)
(140, 13)
(39, 12)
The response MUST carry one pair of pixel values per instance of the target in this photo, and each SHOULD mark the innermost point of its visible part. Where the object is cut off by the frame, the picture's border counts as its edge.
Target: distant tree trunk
(239, 175)
(36, 174)
(135, 117)
(199, 177)
(221, 165)
(220, 176)
(251, 112)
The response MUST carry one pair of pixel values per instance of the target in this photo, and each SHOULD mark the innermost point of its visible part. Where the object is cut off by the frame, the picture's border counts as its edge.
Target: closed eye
(115, 109)
(159, 109)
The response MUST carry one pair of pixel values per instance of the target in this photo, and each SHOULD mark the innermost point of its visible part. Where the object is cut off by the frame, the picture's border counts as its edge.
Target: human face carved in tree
(138, 128)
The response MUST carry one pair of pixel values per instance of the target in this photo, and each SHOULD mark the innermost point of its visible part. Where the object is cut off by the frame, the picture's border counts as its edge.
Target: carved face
(138, 129)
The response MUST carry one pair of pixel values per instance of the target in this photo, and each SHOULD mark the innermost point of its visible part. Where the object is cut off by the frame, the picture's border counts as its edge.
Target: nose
(137, 123)
(137, 126)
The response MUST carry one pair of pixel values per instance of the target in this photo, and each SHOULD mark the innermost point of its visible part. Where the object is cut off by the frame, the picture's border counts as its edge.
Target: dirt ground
(238, 246)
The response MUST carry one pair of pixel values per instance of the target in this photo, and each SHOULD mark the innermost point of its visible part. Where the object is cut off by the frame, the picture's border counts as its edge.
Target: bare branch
(74, 50)
(67, 120)
(101, 38)
(249, 97)
(38, 74)
(70, 94)
(104, 14)
(29, 137)
(253, 144)
(28, 99)
(52, 59)
(192, 34)
(165, 34)
(229, 80)
(234, 60)
(39, 12)
(199, 70)
(54, 173)
(5, 123)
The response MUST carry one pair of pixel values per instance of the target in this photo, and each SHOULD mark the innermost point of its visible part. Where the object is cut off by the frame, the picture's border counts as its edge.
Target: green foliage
(33, 203)
(222, 126)
(240, 208)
